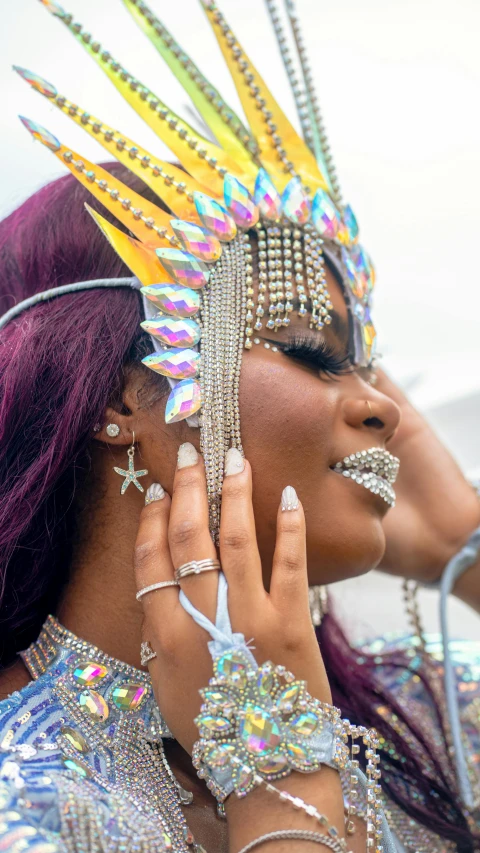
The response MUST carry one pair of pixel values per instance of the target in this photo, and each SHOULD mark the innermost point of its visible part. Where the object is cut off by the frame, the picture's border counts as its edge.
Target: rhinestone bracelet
(294, 835)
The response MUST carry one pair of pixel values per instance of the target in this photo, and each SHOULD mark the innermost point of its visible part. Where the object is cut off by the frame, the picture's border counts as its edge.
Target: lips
(374, 469)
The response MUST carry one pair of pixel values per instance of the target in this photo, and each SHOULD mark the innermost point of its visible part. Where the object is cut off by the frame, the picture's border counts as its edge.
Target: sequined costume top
(82, 766)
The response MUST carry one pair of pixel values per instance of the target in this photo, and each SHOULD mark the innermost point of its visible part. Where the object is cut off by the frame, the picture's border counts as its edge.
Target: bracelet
(294, 835)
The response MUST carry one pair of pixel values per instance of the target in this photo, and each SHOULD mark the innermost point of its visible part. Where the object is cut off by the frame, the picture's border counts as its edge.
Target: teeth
(374, 469)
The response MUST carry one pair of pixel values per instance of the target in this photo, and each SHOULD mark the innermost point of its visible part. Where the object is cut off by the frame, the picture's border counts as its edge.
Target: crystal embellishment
(214, 217)
(232, 667)
(259, 731)
(325, 215)
(174, 363)
(93, 704)
(196, 240)
(184, 267)
(219, 725)
(305, 724)
(184, 400)
(239, 202)
(39, 83)
(75, 739)
(173, 331)
(296, 203)
(266, 197)
(354, 278)
(128, 697)
(173, 299)
(369, 336)
(89, 673)
(350, 221)
(41, 133)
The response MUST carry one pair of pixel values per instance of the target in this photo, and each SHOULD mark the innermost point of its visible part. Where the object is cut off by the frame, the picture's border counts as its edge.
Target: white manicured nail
(289, 499)
(155, 492)
(234, 462)
(187, 455)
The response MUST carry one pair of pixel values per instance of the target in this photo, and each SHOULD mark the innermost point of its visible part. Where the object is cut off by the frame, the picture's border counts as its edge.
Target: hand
(173, 532)
(436, 508)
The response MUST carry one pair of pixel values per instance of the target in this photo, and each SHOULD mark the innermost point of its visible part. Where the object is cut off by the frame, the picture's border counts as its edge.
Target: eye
(316, 352)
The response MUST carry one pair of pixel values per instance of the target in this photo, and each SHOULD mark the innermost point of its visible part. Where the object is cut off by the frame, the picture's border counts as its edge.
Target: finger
(188, 531)
(152, 560)
(289, 583)
(238, 539)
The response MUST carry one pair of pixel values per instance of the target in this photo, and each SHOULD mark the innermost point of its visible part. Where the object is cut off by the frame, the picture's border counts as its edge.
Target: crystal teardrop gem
(288, 697)
(197, 241)
(173, 299)
(214, 217)
(325, 215)
(296, 203)
(369, 336)
(265, 682)
(363, 265)
(218, 697)
(173, 331)
(298, 753)
(41, 133)
(350, 221)
(93, 704)
(239, 202)
(305, 724)
(71, 764)
(128, 697)
(213, 724)
(75, 739)
(272, 764)
(174, 363)
(184, 267)
(244, 777)
(354, 278)
(219, 756)
(183, 401)
(39, 83)
(232, 666)
(89, 673)
(266, 197)
(258, 731)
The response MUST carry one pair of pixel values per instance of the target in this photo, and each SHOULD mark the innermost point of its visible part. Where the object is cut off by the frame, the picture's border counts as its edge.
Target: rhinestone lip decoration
(374, 469)
(184, 267)
(197, 241)
(173, 299)
(259, 724)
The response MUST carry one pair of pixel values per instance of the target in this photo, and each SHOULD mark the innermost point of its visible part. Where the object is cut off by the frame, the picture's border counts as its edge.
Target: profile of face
(299, 418)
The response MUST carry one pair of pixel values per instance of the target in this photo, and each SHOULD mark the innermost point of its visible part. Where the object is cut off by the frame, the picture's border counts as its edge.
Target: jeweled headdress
(262, 182)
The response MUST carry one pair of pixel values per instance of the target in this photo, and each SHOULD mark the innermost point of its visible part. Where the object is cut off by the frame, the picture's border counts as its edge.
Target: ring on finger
(154, 586)
(197, 567)
(146, 653)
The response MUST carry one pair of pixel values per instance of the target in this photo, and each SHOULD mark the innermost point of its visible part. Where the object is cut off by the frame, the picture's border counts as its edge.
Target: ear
(124, 413)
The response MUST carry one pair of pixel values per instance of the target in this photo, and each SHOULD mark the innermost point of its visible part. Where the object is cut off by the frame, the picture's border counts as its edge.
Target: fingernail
(187, 455)
(234, 462)
(289, 499)
(155, 492)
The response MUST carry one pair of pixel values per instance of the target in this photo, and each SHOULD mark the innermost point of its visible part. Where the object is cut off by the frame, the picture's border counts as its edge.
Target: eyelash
(319, 354)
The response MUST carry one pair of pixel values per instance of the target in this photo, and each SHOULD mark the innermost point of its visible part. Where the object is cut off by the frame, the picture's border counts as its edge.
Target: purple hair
(61, 364)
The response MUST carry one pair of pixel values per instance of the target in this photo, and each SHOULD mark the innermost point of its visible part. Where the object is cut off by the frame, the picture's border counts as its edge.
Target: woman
(81, 734)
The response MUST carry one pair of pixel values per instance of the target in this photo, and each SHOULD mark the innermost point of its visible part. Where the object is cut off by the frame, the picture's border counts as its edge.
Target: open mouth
(374, 469)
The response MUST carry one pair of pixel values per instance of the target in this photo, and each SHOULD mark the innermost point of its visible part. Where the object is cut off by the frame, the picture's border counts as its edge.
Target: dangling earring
(318, 601)
(131, 475)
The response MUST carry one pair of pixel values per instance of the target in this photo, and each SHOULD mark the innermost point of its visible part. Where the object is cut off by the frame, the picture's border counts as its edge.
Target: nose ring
(369, 408)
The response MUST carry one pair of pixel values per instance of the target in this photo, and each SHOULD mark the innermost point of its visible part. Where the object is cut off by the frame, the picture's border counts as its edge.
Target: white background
(399, 83)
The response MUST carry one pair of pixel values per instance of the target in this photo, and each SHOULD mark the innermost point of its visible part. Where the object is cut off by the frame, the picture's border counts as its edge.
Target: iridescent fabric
(70, 780)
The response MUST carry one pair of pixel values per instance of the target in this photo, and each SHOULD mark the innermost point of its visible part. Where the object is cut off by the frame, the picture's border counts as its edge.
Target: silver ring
(197, 567)
(146, 653)
(153, 586)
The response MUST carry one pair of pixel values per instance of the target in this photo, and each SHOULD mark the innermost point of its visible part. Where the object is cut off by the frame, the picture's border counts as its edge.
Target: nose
(373, 412)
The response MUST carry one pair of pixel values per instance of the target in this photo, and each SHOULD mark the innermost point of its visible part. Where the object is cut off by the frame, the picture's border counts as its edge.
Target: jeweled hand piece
(260, 724)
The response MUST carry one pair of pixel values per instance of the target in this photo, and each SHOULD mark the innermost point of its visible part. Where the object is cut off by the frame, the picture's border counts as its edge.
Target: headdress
(258, 182)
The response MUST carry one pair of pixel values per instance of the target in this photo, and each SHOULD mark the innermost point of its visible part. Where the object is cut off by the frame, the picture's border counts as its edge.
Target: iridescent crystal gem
(276, 763)
(174, 363)
(129, 697)
(38, 83)
(40, 133)
(363, 265)
(259, 731)
(188, 835)
(184, 267)
(354, 278)
(93, 704)
(369, 336)
(167, 840)
(232, 666)
(213, 724)
(173, 331)
(89, 673)
(197, 241)
(266, 197)
(70, 764)
(173, 299)
(244, 777)
(265, 682)
(288, 697)
(351, 223)
(239, 202)
(75, 739)
(214, 217)
(218, 697)
(359, 311)
(298, 753)
(296, 203)
(184, 400)
(305, 724)
(325, 215)
(219, 756)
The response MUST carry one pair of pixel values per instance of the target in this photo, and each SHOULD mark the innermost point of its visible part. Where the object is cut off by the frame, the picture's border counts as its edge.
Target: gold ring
(369, 408)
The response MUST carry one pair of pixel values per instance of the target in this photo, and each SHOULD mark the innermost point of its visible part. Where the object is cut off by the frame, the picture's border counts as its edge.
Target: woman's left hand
(436, 508)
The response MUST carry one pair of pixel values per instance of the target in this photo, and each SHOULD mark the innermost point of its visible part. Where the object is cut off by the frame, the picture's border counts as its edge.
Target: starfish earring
(131, 475)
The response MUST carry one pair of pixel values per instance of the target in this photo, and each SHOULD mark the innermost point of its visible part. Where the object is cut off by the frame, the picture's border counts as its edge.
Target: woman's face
(297, 422)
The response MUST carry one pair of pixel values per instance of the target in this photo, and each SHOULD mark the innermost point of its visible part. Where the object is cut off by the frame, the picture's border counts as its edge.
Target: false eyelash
(318, 353)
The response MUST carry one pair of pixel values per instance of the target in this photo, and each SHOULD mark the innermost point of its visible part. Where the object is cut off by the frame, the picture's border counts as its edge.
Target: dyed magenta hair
(61, 364)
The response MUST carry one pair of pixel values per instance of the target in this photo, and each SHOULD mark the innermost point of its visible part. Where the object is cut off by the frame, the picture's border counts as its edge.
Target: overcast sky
(399, 83)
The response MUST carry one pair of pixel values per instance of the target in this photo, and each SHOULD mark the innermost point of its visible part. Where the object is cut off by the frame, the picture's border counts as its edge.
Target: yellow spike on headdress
(170, 183)
(144, 219)
(225, 125)
(141, 259)
(282, 151)
(203, 159)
